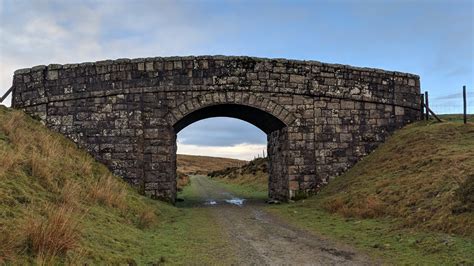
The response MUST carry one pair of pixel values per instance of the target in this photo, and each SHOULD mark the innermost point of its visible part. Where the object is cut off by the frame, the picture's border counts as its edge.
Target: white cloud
(45, 32)
(240, 151)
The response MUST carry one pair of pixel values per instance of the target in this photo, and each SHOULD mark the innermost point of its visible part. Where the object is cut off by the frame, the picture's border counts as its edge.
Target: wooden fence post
(427, 105)
(422, 106)
(464, 97)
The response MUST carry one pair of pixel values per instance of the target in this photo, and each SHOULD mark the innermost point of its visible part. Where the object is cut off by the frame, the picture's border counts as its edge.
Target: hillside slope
(59, 206)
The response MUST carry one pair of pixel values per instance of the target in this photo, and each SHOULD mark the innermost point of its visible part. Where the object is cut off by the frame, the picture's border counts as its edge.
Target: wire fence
(452, 105)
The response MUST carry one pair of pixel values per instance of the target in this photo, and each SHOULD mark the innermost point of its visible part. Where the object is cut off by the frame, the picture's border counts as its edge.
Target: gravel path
(263, 239)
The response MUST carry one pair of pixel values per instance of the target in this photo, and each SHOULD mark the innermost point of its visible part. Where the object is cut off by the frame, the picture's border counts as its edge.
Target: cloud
(454, 96)
(45, 32)
(241, 151)
(221, 131)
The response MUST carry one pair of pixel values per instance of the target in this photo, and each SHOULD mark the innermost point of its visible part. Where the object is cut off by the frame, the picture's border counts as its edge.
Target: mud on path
(263, 239)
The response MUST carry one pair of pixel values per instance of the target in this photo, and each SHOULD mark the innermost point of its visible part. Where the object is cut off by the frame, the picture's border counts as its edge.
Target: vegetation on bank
(58, 205)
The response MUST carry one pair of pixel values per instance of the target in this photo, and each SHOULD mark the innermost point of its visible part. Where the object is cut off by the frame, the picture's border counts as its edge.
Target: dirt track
(262, 239)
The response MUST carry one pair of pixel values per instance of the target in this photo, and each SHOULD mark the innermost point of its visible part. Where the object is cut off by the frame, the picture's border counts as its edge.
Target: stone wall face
(125, 112)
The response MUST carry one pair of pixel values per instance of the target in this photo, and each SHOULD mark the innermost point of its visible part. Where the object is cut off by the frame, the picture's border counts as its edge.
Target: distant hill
(194, 164)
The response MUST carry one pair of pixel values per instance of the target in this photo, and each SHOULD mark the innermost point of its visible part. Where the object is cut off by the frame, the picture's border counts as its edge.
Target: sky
(431, 38)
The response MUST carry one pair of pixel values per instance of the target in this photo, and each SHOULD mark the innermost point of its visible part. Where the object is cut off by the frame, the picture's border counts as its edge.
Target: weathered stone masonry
(320, 118)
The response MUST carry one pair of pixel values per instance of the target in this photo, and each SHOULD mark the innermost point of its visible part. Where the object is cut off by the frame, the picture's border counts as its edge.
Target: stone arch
(247, 101)
(271, 117)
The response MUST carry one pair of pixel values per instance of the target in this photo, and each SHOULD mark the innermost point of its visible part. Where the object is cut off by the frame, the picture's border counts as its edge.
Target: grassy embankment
(58, 205)
(410, 201)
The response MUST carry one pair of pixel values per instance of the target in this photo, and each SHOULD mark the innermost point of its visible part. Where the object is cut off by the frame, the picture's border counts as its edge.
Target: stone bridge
(320, 118)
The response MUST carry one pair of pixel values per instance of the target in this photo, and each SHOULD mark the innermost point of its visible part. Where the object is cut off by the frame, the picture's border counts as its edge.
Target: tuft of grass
(147, 218)
(54, 235)
(108, 191)
(70, 193)
(369, 207)
(465, 196)
(8, 246)
(183, 180)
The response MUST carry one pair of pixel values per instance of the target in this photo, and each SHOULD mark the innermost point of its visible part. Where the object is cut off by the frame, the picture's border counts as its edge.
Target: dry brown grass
(183, 180)
(47, 155)
(41, 169)
(53, 235)
(8, 246)
(370, 207)
(194, 164)
(70, 193)
(147, 218)
(109, 192)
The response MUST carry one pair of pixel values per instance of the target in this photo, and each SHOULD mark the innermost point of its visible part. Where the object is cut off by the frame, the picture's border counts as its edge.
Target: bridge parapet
(55, 82)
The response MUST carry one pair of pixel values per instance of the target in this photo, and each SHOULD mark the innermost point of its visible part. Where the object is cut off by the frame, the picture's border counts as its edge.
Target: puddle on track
(236, 201)
(233, 201)
(211, 202)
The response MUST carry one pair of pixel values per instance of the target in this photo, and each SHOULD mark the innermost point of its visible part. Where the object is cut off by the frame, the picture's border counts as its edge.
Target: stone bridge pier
(320, 118)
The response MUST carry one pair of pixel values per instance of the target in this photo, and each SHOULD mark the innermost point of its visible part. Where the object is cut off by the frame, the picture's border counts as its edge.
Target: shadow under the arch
(205, 192)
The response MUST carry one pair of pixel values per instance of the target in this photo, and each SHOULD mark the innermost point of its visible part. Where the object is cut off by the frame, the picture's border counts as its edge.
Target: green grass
(249, 191)
(182, 236)
(108, 222)
(456, 118)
